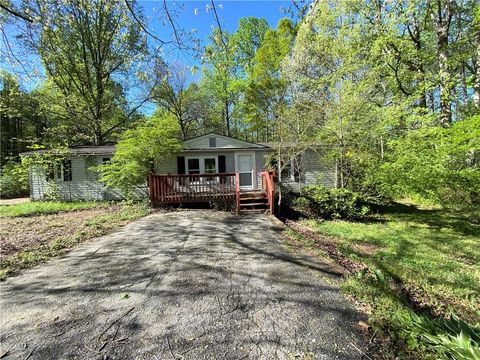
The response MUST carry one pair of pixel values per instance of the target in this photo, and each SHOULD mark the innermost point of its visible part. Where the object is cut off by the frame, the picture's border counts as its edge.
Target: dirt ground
(180, 285)
(21, 233)
(14, 201)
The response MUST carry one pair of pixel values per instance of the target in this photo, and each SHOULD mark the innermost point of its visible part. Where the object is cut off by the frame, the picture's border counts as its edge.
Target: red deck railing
(268, 185)
(179, 188)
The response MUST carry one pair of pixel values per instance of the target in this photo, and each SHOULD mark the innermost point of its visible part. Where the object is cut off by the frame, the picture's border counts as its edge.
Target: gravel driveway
(181, 285)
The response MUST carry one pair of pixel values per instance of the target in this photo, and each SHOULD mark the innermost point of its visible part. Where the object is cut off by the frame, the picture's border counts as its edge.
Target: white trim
(201, 160)
(254, 169)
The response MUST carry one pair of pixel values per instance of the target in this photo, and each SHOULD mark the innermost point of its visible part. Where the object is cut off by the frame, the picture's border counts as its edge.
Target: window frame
(66, 176)
(201, 160)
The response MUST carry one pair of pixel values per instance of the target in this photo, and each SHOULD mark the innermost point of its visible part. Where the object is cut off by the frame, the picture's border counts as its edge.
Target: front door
(245, 169)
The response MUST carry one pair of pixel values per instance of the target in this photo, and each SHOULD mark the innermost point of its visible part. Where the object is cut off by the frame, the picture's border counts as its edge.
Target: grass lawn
(36, 231)
(44, 207)
(420, 262)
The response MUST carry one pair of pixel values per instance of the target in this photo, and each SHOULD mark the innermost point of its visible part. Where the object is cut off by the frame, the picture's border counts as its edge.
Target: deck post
(237, 184)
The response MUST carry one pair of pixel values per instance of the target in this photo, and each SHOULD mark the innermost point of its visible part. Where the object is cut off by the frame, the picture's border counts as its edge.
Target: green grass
(45, 207)
(433, 255)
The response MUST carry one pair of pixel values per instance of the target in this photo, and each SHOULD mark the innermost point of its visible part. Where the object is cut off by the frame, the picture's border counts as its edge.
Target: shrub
(450, 338)
(319, 201)
(14, 180)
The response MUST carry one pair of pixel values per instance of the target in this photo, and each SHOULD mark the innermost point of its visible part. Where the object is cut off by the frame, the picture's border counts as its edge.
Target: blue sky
(230, 12)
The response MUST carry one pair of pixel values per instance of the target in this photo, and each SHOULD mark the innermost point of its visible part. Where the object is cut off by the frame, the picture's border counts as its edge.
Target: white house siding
(319, 170)
(316, 170)
(260, 162)
(224, 142)
(84, 185)
(169, 164)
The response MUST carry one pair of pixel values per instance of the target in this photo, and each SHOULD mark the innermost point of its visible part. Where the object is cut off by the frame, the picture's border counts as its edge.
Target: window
(201, 165)
(193, 166)
(67, 170)
(212, 142)
(210, 165)
(50, 172)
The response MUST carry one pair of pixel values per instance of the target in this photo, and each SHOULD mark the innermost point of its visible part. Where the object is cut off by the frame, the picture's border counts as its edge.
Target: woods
(391, 90)
(379, 99)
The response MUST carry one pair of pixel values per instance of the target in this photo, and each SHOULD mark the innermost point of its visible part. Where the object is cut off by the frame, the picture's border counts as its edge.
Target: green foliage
(90, 51)
(439, 164)
(450, 338)
(14, 180)
(431, 255)
(152, 141)
(21, 121)
(319, 201)
(45, 207)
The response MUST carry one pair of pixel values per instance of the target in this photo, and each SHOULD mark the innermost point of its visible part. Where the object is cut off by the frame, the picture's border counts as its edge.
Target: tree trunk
(227, 117)
(476, 82)
(442, 23)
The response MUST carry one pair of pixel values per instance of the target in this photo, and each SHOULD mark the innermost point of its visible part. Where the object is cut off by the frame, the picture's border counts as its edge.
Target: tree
(219, 77)
(264, 90)
(20, 119)
(90, 50)
(182, 101)
(139, 150)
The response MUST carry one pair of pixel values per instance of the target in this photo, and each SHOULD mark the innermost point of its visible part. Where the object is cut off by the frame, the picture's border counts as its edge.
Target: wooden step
(258, 211)
(253, 204)
(253, 197)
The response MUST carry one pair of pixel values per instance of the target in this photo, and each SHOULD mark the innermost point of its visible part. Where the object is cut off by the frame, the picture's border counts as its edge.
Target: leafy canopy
(152, 141)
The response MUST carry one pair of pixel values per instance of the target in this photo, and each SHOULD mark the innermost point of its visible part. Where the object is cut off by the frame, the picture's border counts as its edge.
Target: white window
(201, 165)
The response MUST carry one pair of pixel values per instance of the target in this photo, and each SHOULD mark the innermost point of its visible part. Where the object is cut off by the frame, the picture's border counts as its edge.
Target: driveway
(181, 285)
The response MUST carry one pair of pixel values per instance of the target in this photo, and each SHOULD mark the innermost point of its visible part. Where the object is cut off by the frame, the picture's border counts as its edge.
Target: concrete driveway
(182, 285)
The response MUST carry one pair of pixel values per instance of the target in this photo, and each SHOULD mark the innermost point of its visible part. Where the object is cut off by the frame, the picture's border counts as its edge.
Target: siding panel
(318, 170)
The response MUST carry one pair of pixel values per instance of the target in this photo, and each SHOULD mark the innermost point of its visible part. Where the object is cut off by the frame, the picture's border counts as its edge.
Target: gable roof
(222, 142)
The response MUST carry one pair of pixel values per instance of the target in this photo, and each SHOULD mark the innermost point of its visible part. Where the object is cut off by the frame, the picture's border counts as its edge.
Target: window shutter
(67, 170)
(222, 166)
(180, 164)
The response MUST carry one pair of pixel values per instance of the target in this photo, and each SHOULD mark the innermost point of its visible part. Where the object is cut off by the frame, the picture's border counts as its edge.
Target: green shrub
(14, 180)
(319, 201)
(450, 338)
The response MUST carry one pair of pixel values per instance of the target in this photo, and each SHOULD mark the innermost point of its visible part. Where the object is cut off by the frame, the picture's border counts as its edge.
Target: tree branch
(15, 13)
(144, 28)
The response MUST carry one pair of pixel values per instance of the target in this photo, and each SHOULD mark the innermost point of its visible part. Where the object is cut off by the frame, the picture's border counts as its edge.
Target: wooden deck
(181, 188)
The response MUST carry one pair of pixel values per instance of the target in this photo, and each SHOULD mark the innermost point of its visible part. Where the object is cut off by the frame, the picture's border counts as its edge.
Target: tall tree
(264, 89)
(21, 121)
(219, 76)
(90, 50)
(180, 100)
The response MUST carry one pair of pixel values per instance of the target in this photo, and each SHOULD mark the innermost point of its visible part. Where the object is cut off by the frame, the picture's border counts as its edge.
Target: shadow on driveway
(192, 284)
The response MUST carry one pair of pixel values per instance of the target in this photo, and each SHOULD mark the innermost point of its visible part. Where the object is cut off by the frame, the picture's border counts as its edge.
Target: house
(209, 167)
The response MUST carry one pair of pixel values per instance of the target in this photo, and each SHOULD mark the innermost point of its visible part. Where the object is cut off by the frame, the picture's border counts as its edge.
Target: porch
(191, 188)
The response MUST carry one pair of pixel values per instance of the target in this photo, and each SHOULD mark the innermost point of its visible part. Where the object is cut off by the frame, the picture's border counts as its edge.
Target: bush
(319, 201)
(14, 180)
(450, 338)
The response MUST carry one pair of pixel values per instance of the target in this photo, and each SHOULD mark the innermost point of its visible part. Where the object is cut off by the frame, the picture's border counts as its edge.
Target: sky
(202, 20)
(185, 16)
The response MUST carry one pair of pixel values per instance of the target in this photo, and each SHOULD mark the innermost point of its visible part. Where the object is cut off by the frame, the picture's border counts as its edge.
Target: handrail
(269, 187)
(237, 188)
(177, 188)
(197, 175)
